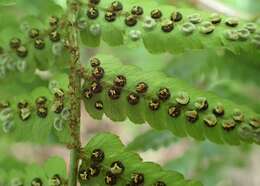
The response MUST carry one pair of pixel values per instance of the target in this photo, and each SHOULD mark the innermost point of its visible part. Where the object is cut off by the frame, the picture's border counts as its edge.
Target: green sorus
(39, 43)
(22, 51)
(137, 10)
(156, 14)
(54, 36)
(15, 43)
(34, 32)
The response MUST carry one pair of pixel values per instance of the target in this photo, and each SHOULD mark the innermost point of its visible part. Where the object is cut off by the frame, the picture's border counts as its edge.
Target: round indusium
(210, 120)
(174, 111)
(110, 16)
(167, 26)
(156, 14)
(228, 125)
(141, 87)
(192, 116)
(53, 21)
(36, 182)
(114, 93)
(96, 87)
(84, 174)
(120, 81)
(54, 36)
(34, 32)
(154, 104)
(22, 51)
(87, 94)
(116, 6)
(232, 22)
(94, 169)
(137, 10)
(137, 178)
(97, 155)
(98, 72)
(176, 16)
(130, 20)
(92, 13)
(218, 110)
(99, 105)
(215, 18)
(25, 113)
(133, 98)
(201, 104)
(110, 178)
(182, 98)
(95, 62)
(164, 94)
(39, 43)
(117, 168)
(15, 43)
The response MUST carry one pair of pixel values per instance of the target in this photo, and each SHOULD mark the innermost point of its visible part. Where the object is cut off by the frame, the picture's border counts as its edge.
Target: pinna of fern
(126, 91)
(121, 91)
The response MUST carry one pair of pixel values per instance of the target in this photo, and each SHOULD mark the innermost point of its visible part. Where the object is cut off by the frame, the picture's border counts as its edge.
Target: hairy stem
(74, 92)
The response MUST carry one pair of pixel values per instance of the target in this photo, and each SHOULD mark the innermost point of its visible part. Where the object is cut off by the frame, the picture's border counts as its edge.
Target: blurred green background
(233, 77)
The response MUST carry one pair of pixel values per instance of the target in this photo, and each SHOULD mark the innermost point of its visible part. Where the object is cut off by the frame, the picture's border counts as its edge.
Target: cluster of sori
(95, 87)
(113, 174)
(8, 61)
(187, 24)
(193, 110)
(25, 111)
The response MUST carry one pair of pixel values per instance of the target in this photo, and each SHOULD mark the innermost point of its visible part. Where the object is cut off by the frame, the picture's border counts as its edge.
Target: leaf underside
(35, 128)
(157, 41)
(114, 150)
(238, 124)
(54, 169)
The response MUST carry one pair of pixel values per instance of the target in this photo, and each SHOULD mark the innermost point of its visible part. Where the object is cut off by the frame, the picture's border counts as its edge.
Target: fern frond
(107, 162)
(34, 115)
(39, 44)
(163, 28)
(165, 103)
(52, 173)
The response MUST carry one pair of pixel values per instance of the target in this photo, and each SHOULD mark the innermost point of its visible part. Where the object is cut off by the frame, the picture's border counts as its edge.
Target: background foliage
(234, 78)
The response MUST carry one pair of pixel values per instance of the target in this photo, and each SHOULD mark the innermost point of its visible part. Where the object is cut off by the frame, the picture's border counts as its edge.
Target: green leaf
(35, 128)
(157, 41)
(114, 150)
(151, 139)
(242, 129)
(53, 170)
